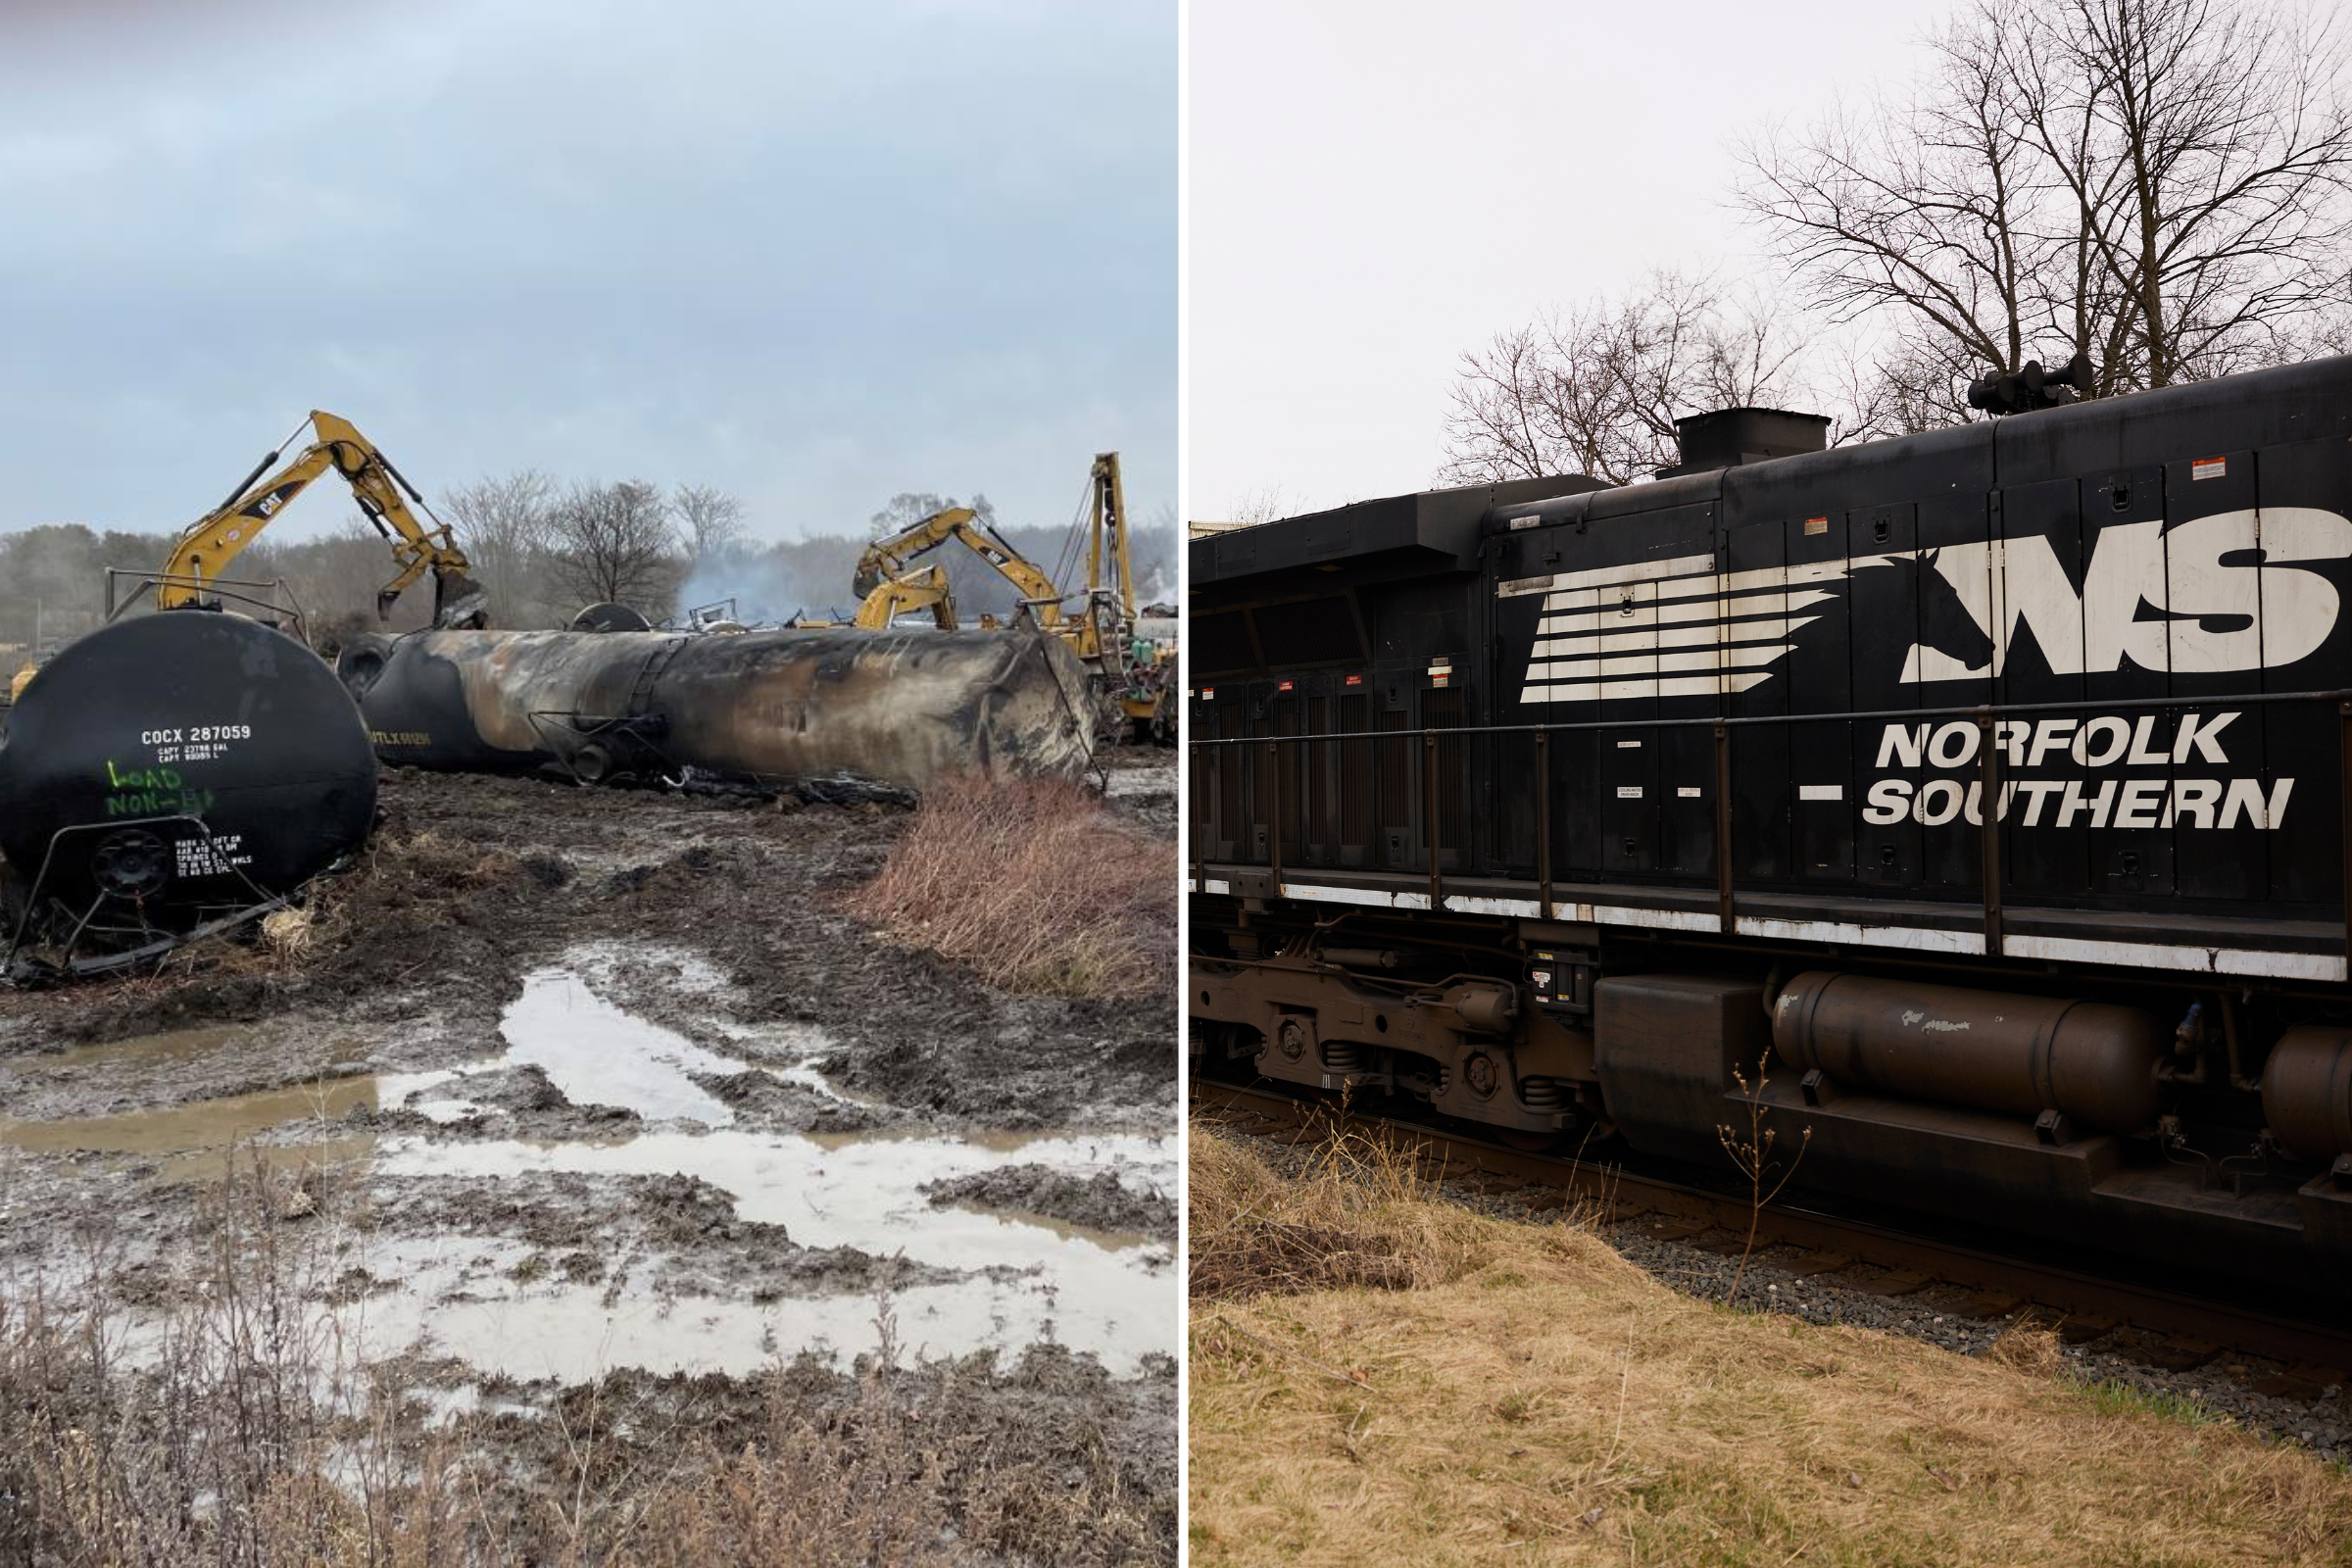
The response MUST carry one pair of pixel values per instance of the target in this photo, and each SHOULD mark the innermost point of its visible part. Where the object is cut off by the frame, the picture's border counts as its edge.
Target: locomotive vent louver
(1728, 437)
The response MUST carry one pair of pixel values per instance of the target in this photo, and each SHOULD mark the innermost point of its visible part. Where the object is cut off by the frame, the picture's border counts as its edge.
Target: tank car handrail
(1976, 710)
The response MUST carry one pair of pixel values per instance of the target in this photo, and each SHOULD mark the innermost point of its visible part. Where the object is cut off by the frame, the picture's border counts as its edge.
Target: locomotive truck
(1971, 805)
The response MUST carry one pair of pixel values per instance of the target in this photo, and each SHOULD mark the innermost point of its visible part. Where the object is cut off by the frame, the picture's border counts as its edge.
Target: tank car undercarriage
(2206, 1126)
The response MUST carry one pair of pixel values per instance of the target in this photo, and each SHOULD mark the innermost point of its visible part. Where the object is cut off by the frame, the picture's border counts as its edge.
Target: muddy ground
(568, 1087)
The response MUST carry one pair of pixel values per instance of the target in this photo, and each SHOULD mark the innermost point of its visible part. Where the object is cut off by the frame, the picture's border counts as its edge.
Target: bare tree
(1918, 207)
(1596, 390)
(2207, 143)
(502, 524)
(1270, 505)
(2158, 184)
(713, 520)
(617, 542)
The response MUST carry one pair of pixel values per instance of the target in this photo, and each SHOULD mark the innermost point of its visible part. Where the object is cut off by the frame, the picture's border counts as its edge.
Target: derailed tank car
(1556, 806)
(171, 771)
(901, 710)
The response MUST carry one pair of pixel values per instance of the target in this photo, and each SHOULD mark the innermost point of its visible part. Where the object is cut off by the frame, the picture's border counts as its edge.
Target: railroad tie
(1728, 1244)
(2180, 1354)
(2080, 1328)
(1896, 1282)
(2301, 1383)
(1813, 1264)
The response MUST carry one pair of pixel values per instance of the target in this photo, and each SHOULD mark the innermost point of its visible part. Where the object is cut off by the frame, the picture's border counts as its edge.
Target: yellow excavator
(1130, 672)
(926, 589)
(213, 540)
(881, 579)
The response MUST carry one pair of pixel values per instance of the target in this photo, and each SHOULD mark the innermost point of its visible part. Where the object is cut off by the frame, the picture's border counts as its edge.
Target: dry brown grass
(1356, 1216)
(1535, 1398)
(1036, 885)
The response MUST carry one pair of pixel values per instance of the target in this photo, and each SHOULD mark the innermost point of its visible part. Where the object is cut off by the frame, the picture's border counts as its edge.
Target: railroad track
(2190, 1329)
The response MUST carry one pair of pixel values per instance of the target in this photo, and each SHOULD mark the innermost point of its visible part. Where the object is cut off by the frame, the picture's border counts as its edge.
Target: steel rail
(2089, 1300)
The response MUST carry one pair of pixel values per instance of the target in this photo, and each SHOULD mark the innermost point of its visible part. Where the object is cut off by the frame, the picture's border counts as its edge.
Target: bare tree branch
(1596, 390)
(617, 542)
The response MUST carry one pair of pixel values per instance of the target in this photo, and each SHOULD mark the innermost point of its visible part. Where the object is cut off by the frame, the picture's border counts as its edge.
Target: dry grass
(1036, 885)
(1535, 1398)
(1357, 1216)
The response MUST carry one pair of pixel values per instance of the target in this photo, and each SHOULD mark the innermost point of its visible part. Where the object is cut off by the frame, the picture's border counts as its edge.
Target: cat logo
(2228, 592)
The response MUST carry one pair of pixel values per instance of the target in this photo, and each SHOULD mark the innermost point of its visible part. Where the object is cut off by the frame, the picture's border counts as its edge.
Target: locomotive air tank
(167, 769)
(902, 710)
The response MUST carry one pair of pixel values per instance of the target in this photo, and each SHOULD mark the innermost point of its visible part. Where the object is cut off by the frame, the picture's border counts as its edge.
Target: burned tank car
(901, 710)
(1557, 806)
(169, 768)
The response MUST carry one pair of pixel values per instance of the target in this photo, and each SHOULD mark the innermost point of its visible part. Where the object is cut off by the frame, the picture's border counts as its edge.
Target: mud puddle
(188, 1138)
(1012, 1278)
(596, 1053)
(785, 1238)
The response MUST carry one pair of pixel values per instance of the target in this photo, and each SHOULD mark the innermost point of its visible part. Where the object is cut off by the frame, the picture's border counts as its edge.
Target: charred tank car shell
(187, 762)
(897, 709)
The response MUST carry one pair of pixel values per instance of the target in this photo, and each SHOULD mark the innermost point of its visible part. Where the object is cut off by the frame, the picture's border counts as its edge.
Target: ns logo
(2227, 592)
(2231, 591)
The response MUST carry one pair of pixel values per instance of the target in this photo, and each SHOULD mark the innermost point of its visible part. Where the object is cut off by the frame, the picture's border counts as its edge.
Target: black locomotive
(1564, 807)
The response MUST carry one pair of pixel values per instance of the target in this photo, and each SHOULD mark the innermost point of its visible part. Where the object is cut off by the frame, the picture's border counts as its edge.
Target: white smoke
(767, 590)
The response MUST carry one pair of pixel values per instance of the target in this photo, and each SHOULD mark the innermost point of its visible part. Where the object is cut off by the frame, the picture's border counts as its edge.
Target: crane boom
(1110, 532)
(212, 541)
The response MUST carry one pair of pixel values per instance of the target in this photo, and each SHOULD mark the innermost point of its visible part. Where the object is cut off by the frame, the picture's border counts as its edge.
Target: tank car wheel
(592, 764)
(1527, 1141)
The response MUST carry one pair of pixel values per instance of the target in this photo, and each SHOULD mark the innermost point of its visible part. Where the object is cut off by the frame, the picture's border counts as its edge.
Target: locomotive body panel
(2183, 561)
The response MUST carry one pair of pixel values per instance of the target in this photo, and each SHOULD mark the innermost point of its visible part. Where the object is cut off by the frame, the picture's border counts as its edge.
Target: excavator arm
(210, 543)
(885, 560)
(900, 595)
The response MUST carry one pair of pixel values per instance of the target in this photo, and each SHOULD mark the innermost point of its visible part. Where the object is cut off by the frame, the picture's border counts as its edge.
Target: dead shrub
(1357, 1216)
(1036, 885)
(2028, 1346)
(287, 932)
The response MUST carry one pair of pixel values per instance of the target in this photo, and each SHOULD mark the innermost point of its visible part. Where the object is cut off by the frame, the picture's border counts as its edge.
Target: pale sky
(1375, 187)
(814, 253)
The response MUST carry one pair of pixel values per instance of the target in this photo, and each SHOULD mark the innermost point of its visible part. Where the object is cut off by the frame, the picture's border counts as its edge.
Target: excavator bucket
(460, 603)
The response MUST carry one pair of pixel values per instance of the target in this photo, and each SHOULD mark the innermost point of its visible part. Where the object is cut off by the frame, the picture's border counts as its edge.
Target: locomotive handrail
(1986, 714)
(1968, 710)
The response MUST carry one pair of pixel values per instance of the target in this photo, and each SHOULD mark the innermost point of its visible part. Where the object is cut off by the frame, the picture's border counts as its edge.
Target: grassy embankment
(1380, 1377)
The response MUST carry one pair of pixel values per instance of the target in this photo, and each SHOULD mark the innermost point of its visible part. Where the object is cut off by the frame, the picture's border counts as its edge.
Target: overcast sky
(1375, 188)
(814, 253)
